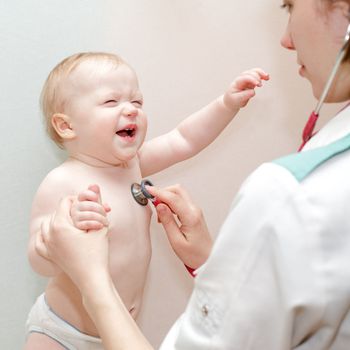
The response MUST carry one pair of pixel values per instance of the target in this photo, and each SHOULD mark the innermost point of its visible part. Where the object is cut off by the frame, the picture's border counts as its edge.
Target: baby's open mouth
(127, 132)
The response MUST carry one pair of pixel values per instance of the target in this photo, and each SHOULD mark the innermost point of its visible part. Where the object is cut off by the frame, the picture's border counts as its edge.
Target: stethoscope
(308, 131)
(141, 195)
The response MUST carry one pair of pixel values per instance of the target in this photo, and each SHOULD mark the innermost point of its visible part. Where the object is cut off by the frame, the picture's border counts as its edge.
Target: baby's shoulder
(55, 186)
(60, 175)
(58, 181)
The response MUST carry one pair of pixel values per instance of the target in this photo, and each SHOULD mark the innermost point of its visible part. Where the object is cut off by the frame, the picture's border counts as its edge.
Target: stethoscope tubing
(338, 61)
(308, 131)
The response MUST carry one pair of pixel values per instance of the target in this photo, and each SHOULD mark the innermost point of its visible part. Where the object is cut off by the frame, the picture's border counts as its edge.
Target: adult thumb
(63, 209)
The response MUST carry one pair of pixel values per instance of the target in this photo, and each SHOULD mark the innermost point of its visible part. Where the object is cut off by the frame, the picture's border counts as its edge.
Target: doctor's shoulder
(318, 171)
(303, 164)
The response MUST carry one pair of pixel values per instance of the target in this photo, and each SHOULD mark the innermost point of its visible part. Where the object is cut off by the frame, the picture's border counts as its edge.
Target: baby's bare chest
(129, 222)
(130, 245)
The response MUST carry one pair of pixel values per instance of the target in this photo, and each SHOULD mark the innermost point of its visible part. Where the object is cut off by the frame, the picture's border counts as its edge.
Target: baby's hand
(242, 88)
(87, 211)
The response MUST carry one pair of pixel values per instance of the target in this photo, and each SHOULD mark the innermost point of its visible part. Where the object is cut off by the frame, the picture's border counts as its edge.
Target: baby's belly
(130, 254)
(129, 264)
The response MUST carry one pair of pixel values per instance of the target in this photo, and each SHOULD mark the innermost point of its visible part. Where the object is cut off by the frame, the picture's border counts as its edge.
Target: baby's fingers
(241, 98)
(89, 225)
(88, 195)
(244, 82)
(258, 73)
(83, 216)
(106, 207)
(88, 206)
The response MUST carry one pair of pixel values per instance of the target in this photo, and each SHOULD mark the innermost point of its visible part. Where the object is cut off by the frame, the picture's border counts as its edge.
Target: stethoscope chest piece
(139, 192)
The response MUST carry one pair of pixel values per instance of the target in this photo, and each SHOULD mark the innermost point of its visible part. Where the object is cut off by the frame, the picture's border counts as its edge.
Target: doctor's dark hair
(53, 99)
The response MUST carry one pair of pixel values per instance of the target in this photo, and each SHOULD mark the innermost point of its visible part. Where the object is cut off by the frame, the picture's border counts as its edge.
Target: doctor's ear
(343, 6)
(62, 125)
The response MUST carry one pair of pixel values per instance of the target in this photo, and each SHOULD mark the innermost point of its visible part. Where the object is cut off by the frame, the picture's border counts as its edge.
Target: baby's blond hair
(52, 98)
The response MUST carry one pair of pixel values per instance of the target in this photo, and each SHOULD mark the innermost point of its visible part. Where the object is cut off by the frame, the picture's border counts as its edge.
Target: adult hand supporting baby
(184, 224)
(67, 246)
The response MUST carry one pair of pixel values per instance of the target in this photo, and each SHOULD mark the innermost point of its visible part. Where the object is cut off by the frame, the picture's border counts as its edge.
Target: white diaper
(43, 320)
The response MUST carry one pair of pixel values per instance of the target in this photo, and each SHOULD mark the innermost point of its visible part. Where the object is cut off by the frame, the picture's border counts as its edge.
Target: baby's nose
(130, 110)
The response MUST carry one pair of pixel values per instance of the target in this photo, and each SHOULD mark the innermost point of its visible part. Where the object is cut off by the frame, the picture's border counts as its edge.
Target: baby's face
(105, 107)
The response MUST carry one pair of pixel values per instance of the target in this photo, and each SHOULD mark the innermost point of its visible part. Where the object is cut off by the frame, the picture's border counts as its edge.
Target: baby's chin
(125, 158)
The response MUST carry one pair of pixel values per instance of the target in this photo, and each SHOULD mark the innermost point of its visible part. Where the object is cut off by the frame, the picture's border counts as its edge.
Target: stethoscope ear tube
(338, 61)
(308, 131)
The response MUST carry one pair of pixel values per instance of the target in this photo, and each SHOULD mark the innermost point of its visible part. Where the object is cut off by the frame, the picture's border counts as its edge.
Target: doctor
(278, 275)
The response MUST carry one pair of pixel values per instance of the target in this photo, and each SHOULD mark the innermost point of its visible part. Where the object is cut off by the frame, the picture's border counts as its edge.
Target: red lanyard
(308, 131)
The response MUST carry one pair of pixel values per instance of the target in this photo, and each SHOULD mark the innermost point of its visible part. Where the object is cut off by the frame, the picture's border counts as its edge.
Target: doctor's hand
(82, 256)
(184, 224)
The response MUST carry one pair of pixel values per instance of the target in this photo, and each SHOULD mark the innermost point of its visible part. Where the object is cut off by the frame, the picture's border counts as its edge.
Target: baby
(93, 108)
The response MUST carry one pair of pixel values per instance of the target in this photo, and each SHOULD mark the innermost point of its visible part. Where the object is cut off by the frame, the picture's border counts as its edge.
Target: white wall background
(185, 52)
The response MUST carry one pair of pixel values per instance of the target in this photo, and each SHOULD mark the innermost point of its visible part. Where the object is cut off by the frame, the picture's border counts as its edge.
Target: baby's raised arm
(202, 127)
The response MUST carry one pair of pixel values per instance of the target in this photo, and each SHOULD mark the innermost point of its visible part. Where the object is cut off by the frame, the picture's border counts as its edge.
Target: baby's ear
(62, 124)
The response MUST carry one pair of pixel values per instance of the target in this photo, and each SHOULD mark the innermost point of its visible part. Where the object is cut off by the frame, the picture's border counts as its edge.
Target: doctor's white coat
(278, 277)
